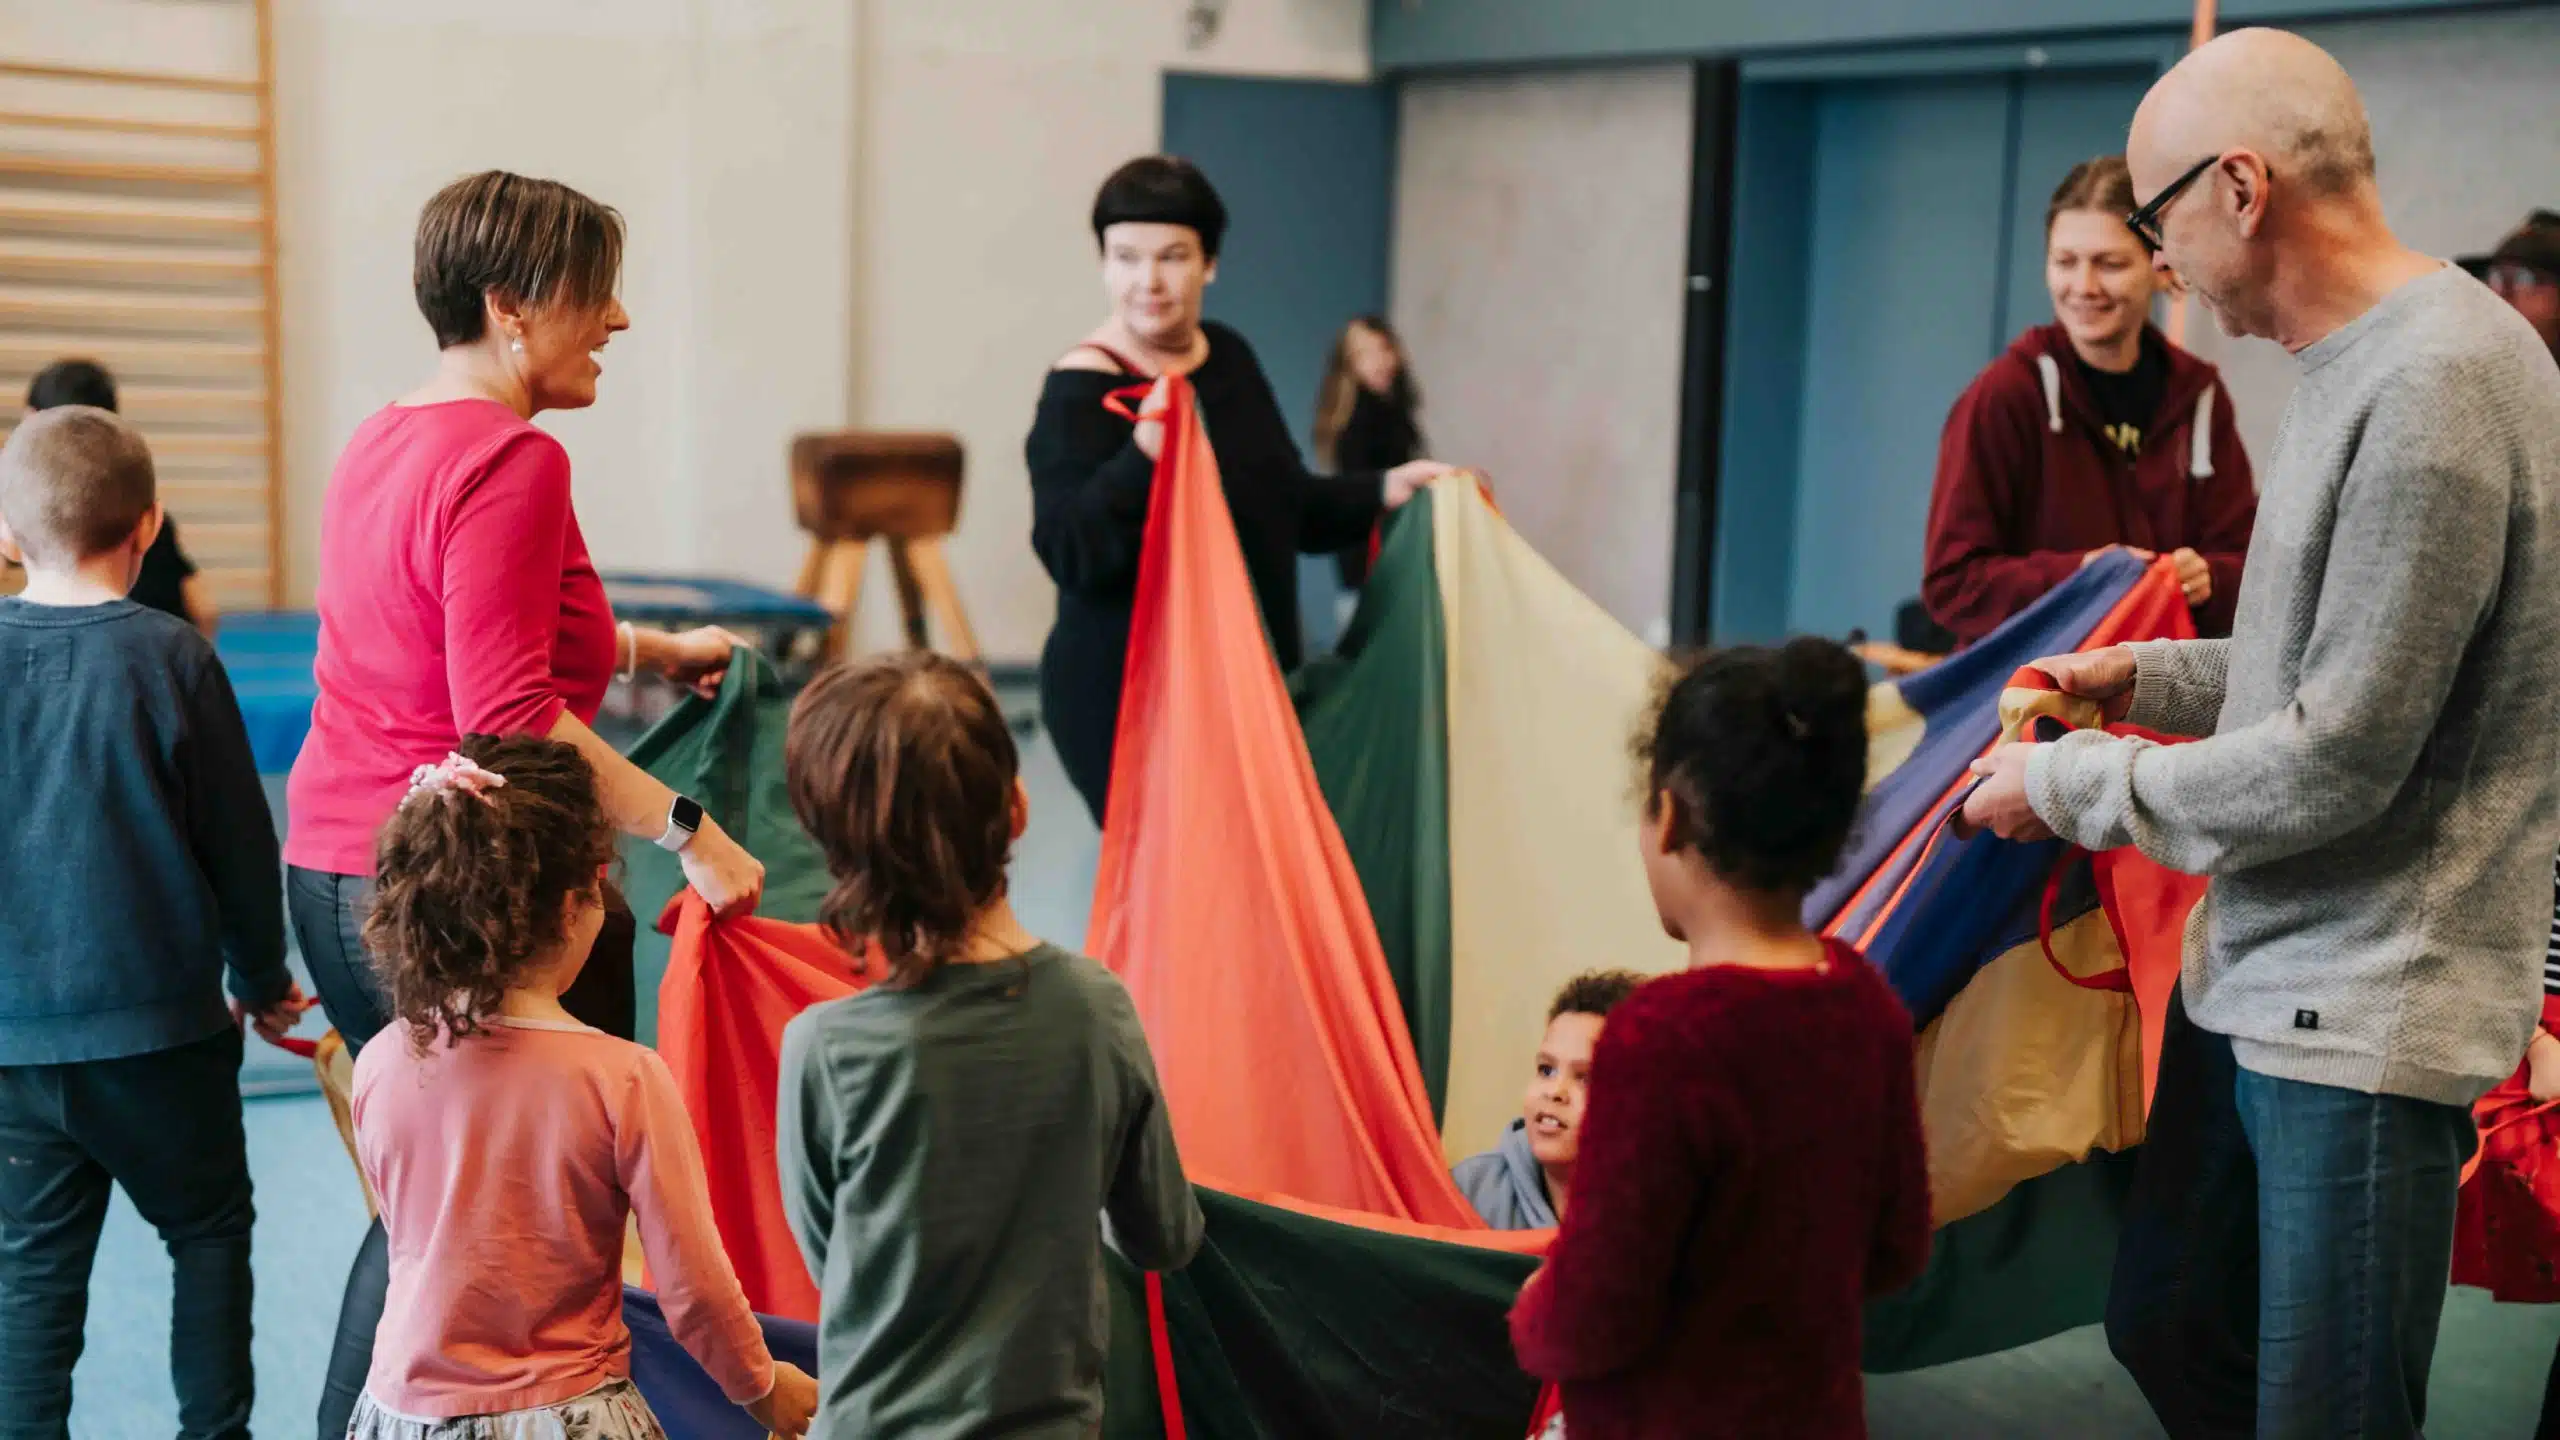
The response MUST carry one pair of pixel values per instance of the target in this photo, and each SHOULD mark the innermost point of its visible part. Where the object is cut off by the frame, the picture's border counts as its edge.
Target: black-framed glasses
(2145, 222)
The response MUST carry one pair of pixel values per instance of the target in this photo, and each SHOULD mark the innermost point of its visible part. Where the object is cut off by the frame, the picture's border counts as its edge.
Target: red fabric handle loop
(1124, 402)
(2120, 978)
(293, 1045)
(2471, 1166)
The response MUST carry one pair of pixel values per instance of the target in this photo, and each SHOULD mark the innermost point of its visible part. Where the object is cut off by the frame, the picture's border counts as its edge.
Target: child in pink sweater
(509, 1145)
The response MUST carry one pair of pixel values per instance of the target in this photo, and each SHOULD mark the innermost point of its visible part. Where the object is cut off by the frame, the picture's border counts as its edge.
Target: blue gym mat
(269, 658)
(673, 600)
(269, 653)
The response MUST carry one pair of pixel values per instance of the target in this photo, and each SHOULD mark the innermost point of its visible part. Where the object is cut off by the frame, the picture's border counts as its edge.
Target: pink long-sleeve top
(456, 597)
(506, 1164)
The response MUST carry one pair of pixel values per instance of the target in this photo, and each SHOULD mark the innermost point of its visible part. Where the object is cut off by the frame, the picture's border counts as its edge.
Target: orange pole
(2197, 35)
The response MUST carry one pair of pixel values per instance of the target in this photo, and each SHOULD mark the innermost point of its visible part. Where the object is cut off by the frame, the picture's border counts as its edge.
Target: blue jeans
(166, 1127)
(2282, 1265)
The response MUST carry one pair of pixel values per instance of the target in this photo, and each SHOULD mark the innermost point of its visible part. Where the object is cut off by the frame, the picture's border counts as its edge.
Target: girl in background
(1751, 1170)
(510, 1145)
(1367, 416)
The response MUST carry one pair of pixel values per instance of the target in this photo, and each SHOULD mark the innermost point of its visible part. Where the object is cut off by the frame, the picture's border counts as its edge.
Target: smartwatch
(684, 817)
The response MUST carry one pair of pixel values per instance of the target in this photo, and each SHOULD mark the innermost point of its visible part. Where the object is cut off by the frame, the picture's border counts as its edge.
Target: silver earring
(517, 344)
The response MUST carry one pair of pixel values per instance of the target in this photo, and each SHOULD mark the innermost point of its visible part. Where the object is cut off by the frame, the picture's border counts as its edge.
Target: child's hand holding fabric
(2542, 1067)
(788, 1407)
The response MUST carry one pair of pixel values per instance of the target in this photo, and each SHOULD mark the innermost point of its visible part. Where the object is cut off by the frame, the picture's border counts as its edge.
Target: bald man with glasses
(2373, 786)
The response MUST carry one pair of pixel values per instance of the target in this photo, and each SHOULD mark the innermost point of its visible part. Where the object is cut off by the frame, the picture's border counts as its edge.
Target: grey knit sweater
(2376, 798)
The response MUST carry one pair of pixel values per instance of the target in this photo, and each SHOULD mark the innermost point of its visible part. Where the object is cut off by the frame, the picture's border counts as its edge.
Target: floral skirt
(613, 1411)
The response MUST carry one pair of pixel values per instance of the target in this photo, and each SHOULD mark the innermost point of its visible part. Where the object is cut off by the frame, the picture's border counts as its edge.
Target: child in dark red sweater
(1751, 1168)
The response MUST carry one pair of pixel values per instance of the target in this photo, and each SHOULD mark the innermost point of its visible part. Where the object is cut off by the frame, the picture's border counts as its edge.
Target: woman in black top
(1159, 224)
(1366, 416)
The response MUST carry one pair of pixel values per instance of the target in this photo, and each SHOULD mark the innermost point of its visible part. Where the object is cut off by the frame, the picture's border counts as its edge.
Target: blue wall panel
(1754, 561)
(1888, 242)
(2061, 120)
(1416, 34)
(1307, 170)
(1905, 262)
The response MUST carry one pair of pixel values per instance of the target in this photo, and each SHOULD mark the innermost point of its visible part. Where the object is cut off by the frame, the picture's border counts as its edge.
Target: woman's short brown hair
(469, 888)
(2100, 182)
(902, 769)
(532, 242)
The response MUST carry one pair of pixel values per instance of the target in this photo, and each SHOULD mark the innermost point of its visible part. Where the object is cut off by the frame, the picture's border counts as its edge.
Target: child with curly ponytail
(509, 1144)
(1750, 1170)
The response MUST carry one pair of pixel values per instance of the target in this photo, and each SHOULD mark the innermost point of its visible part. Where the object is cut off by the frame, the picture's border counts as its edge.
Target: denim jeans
(166, 1127)
(328, 923)
(327, 912)
(2281, 1269)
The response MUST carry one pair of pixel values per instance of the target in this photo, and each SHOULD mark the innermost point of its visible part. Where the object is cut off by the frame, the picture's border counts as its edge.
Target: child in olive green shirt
(958, 1141)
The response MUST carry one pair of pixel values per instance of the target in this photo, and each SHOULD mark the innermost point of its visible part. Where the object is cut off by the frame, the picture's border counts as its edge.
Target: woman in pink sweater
(457, 597)
(510, 1145)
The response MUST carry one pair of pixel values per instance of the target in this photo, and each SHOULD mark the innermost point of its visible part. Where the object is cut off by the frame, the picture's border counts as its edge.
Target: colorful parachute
(2037, 977)
(1342, 923)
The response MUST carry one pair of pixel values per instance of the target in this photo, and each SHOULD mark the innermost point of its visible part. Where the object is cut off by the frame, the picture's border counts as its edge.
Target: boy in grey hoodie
(1521, 1183)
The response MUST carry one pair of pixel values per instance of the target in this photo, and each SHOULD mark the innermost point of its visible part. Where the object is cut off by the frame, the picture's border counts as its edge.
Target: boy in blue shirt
(140, 858)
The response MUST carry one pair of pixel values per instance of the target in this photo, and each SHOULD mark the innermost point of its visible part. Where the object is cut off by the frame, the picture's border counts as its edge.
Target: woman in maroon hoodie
(1751, 1167)
(2088, 434)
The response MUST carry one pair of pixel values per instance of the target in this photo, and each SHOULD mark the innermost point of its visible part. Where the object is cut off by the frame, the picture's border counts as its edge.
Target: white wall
(1540, 282)
(721, 131)
(841, 212)
(985, 126)
(2466, 135)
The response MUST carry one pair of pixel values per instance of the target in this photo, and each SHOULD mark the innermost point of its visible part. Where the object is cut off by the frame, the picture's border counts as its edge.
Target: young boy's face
(1553, 1108)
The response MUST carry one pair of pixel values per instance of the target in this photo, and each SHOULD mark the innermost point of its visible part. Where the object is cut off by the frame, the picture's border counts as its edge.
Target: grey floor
(2488, 1373)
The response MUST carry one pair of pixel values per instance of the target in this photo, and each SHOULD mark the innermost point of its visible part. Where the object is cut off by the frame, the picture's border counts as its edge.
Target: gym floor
(2487, 1385)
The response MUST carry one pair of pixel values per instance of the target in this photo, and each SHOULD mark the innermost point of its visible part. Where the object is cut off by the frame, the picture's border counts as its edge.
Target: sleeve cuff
(278, 984)
(2060, 791)
(760, 1379)
(532, 716)
(2040, 767)
(2152, 698)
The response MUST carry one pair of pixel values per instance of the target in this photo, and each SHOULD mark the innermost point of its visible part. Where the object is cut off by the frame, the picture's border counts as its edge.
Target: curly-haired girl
(509, 1145)
(1750, 1168)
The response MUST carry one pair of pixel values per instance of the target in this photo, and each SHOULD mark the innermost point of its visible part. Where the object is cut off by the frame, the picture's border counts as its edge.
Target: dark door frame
(1715, 101)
